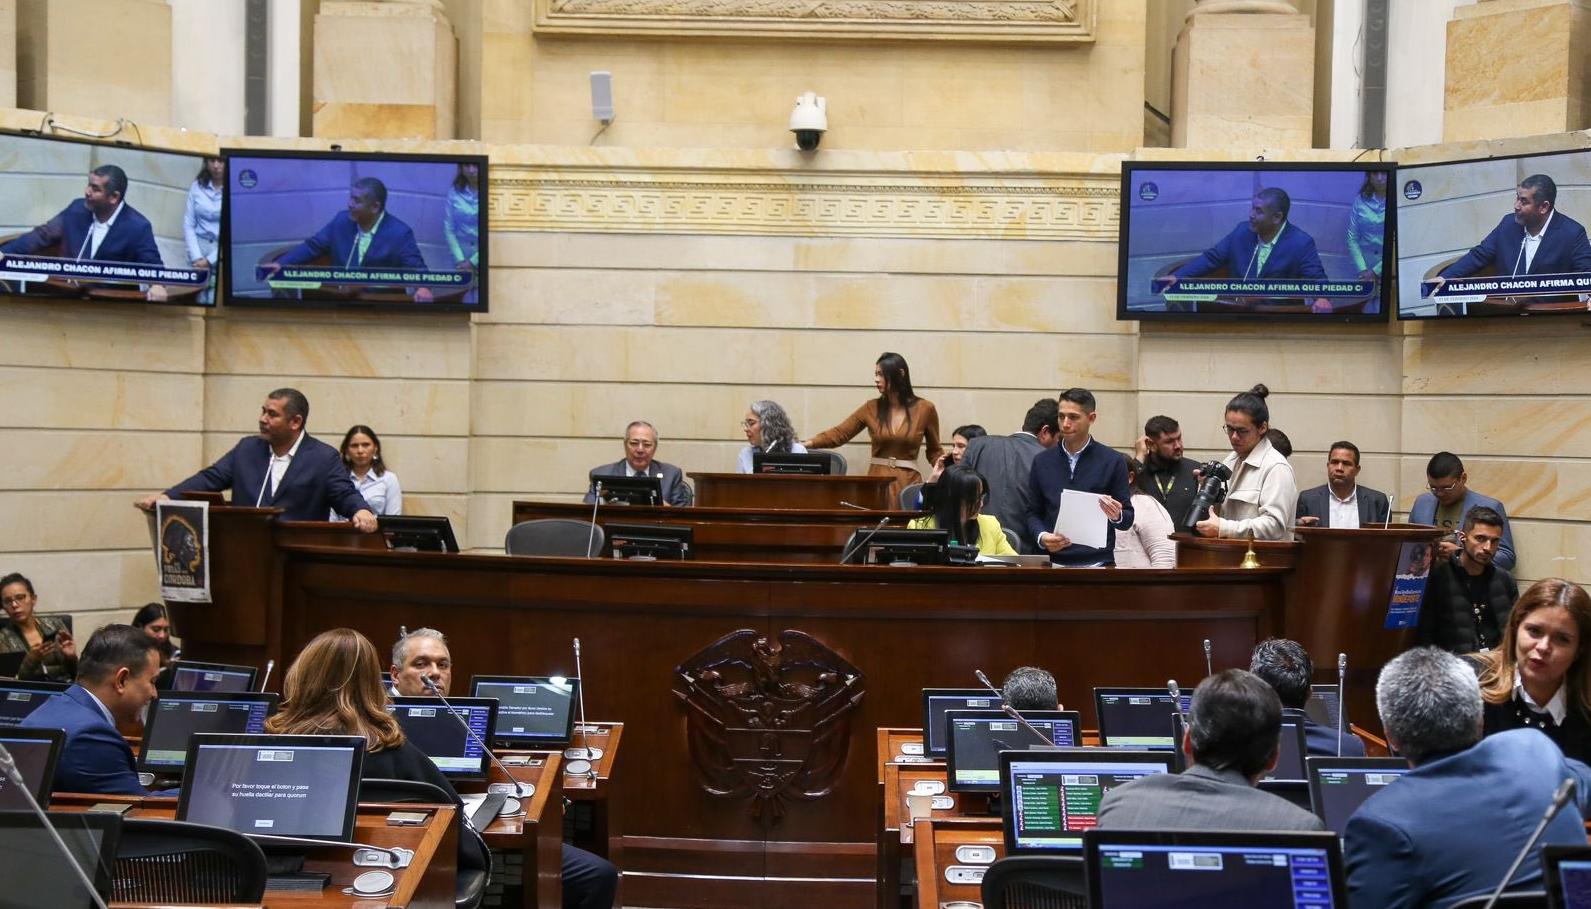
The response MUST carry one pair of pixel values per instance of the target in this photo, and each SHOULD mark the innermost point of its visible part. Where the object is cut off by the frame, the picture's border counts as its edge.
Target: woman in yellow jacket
(958, 504)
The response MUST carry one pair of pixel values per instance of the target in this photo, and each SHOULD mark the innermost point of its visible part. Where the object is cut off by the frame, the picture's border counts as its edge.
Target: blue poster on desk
(1408, 588)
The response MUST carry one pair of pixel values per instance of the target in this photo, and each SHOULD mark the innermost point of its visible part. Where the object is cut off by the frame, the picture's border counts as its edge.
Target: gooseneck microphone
(1209, 665)
(1010, 711)
(8, 767)
(519, 787)
(1342, 695)
(845, 504)
(1175, 691)
(857, 543)
(269, 665)
(585, 752)
(596, 502)
(1560, 799)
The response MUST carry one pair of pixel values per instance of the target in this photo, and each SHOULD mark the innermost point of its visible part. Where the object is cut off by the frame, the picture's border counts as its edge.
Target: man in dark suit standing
(640, 451)
(363, 236)
(1342, 503)
(1006, 462)
(1448, 829)
(1078, 463)
(1232, 741)
(282, 467)
(1534, 240)
(1285, 666)
(100, 226)
(115, 682)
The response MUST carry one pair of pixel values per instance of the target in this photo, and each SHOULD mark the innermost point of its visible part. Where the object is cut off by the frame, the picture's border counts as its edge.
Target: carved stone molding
(769, 721)
(1071, 207)
(1026, 21)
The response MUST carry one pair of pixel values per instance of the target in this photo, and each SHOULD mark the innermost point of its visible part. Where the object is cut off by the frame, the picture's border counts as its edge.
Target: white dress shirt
(97, 231)
(1532, 243)
(1557, 706)
(1344, 512)
(279, 465)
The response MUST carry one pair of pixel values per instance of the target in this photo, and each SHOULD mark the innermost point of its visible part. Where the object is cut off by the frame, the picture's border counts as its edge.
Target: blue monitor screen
(174, 718)
(442, 736)
(1211, 241)
(1151, 876)
(18, 699)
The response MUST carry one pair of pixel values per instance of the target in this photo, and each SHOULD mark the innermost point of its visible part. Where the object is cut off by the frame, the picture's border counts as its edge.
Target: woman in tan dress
(898, 423)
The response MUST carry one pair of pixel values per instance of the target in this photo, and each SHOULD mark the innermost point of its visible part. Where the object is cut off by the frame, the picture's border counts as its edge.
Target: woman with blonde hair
(1540, 677)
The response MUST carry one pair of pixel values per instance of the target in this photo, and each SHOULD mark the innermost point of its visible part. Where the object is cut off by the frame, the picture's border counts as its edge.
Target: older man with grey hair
(1449, 828)
(419, 655)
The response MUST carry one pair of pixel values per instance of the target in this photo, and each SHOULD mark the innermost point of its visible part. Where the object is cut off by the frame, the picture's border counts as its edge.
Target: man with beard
(1468, 597)
(1168, 477)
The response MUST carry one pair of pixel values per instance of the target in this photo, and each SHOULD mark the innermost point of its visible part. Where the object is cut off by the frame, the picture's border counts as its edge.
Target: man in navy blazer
(640, 450)
(1534, 240)
(115, 682)
(1286, 666)
(126, 236)
(1264, 246)
(1448, 829)
(364, 236)
(1081, 464)
(1449, 500)
(1361, 506)
(282, 467)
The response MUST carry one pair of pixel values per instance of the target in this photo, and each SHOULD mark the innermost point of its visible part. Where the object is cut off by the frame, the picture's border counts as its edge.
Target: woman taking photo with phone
(49, 654)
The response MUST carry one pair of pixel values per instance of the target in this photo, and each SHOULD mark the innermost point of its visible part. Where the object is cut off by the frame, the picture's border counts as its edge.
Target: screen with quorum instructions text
(303, 786)
(530, 709)
(1268, 240)
(1052, 797)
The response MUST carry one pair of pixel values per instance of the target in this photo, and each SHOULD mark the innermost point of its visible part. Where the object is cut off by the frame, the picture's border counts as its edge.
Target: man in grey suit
(1234, 730)
(1342, 502)
(1006, 462)
(640, 449)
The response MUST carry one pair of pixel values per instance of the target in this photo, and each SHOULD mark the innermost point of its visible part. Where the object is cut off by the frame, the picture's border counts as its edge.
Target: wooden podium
(791, 490)
(1337, 596)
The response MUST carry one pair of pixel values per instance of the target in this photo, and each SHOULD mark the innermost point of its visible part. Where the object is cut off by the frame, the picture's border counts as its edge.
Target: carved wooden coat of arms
(768, 720)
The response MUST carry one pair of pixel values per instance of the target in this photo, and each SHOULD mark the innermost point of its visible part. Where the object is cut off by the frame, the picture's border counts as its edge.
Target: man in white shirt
(1342, 503)
(1535, 239)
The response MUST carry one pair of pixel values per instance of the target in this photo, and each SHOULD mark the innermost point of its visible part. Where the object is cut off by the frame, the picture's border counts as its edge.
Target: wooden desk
(936, 843)
(428, 883)
(737, 534)
(786, 490)
(536, 836)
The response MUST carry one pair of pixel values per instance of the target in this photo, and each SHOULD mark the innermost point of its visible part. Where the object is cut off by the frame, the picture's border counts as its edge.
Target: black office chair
(475, 859)
(837, 465)
(554, 537)
(1012, 538)
(178, 862)
(1519, 899)
(911, 498)
(1036, 882)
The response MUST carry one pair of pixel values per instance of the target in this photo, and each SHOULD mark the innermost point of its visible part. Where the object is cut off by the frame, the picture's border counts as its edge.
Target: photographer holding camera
(1262, 494)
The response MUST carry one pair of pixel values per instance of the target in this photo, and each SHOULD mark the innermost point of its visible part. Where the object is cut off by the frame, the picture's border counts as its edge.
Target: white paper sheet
(1080, 519)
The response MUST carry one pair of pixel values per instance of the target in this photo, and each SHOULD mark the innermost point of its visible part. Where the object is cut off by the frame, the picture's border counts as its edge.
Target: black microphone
(519, 787)
(1560, 798)
(1209, 666)
(857, 543)
(596, 502)
(1342, 695)
(1010, 711)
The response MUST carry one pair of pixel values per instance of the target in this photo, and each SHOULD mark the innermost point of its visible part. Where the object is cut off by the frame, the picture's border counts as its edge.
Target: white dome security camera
(810, 120)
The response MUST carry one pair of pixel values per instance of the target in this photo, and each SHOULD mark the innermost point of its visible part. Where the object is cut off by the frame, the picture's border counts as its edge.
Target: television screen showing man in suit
(1211, 240)
(108, 222)
(362, 230)
(1495, 237)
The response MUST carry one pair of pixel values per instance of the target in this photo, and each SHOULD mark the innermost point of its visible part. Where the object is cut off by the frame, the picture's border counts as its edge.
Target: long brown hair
(1499, 666)
(334, 688)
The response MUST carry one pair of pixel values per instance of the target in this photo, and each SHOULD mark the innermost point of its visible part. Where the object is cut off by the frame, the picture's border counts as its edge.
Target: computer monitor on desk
(871, 546)
(18, 699)
(34, 870)
(654, 542)
(532, 711)
(939, 701)
(275, 785)
(177, 715)
(976, 738)
(1136, 870)
(1051, 797)
(36, 752)
(189, 675)
(418, 533)
(1339, 785)
(1322, 706)
(1137, 717)
(426, 723)
(628, 490)
(790, 462)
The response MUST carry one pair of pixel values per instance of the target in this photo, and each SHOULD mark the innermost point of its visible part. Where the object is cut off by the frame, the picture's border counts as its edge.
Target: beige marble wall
(127, 75)
(1244, 79)
(386, 69)
(1494, 94)
(8, 52)
(729, 93)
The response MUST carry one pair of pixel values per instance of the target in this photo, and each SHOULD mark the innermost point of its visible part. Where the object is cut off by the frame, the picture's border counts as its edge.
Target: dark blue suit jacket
(130, 239)
(1424, 512)
(1321, 740)
(1563, 248)
(1100, 469)
(1449, 828)
(393, 245)
(315, 482)
(1293, 257)
(96, 757)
